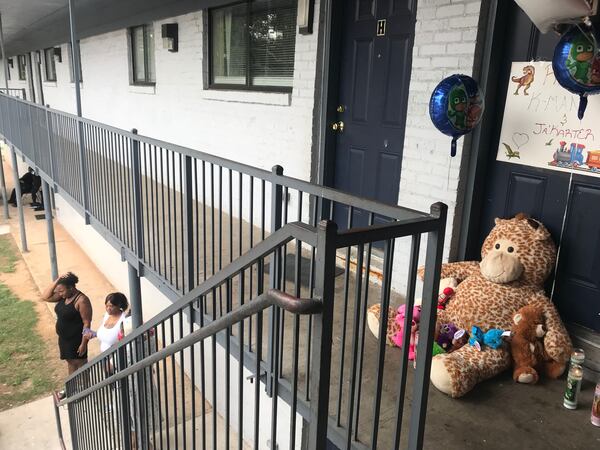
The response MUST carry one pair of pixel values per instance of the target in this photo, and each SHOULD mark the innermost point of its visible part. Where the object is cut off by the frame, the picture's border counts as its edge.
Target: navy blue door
(569, 207)
(376, 56)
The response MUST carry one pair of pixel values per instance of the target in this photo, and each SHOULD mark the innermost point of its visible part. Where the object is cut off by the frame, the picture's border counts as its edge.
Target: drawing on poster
(540, 127)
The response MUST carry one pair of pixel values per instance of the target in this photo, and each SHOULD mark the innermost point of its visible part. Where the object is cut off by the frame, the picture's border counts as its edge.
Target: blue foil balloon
(456, 107)
(576, 64)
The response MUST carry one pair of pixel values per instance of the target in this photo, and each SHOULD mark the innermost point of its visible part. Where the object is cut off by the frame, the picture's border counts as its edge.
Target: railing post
(50, 149)
(433, 265)
(50, 229)
(125, 401)
(188, 223)
(320, 371)
(134, 271)
(3, 188)
(274, 274)
(135, 296)
(82, 157)
(19, 200)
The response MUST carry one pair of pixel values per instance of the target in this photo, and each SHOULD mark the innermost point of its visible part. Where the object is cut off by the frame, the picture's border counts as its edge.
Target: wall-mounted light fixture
(169, 32)
(11, 63)
(306, 12)
(58, 54)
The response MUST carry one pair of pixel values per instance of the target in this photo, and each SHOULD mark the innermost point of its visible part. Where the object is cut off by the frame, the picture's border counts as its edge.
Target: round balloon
(576, 63)
(456, 107)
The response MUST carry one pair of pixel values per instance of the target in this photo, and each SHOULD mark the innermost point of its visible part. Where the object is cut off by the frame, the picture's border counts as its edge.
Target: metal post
(125, 401)
(50, 229)
(19, 200)
(82, 159)
(29, 60)
(4, 57)
(5, 64)
(135, 296)
(137, 199)
(433, 266)
(3, 189)
(276, 218)
(320, 372)
(50, 149)
(188, 223)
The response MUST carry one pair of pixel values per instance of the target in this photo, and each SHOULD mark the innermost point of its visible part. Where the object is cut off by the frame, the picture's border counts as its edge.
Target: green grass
(24, 374)
(8, 254)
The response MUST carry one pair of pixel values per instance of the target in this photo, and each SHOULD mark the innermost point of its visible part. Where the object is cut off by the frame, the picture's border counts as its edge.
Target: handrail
(383, 232)
(394, 211)
(290, 231)
(272, 297)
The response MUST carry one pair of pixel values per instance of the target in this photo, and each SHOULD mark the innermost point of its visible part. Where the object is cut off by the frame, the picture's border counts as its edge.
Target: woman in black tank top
(73, 318)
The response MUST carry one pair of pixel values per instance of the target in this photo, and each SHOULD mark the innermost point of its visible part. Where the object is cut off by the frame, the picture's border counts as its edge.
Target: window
(252, 45)
(49, 64)
(142, 55)
(72, 63)
(21, 66)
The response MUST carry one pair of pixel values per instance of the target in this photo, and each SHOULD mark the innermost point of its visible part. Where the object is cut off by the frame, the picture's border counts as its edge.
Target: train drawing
(572, 157)
(593, 160)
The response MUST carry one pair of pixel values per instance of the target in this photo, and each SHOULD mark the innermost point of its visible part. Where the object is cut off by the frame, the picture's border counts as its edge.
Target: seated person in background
(30, 184)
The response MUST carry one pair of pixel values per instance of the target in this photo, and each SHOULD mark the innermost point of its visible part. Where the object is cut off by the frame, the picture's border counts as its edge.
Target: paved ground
(32, 426)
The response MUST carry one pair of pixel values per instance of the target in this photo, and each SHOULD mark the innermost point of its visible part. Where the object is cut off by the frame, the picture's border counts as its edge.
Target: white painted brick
(450, 11)
(461, 49)
(464, 22)
(432, 49)
(445, 61)
(469, 35)
(473, 8)
(454, 36)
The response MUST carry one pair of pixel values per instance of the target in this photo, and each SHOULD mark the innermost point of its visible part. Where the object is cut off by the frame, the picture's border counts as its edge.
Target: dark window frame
(133, 78)
(52, 62)
(22, 67)
(238, 87)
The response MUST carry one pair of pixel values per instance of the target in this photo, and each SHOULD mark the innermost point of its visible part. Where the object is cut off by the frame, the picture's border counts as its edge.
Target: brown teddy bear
(517, 257)
(527, 351)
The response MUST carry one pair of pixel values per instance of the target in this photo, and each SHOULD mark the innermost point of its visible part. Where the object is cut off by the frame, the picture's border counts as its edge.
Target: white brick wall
(444, 44)
(263, 129)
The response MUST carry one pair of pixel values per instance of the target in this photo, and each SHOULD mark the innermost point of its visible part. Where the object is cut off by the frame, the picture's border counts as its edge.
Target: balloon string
(453, 147)
(583, 101)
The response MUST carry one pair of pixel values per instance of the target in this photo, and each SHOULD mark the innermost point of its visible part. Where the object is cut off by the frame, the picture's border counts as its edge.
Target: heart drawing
(520, 139)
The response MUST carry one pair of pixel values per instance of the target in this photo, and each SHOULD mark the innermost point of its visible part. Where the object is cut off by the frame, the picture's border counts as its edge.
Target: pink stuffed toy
(398, 337)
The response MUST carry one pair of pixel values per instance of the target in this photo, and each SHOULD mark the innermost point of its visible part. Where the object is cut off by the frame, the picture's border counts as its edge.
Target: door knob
(338, 126)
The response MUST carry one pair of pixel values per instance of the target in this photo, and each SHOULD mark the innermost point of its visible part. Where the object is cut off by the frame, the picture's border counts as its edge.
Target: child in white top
(108, 333)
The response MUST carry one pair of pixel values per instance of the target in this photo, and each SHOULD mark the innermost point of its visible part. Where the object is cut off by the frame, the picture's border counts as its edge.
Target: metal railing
(15, 92)
(215, 235)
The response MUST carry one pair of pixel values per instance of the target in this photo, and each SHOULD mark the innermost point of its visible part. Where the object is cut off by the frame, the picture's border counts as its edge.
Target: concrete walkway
(33, 425)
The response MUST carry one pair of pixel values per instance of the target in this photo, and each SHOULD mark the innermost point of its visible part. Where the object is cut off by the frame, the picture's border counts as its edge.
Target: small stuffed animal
(527, 350)
(460, 338)
(446, 335)
(398, 337)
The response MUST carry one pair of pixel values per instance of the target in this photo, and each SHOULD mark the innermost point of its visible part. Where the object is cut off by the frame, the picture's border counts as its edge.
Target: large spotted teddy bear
(517, 257)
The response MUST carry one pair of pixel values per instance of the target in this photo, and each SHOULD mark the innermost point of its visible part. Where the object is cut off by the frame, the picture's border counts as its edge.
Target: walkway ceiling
(35, 24)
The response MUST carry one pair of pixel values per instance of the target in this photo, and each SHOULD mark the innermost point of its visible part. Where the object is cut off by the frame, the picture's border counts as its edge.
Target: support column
(3, 189)
(19, 200)
(5, 65)
(135, 296)
(82, 156)
(50, 229)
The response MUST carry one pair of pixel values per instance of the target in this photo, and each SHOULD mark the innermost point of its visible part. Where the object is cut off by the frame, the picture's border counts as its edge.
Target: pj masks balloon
(576, 64)
(456, 107)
